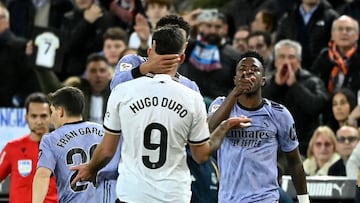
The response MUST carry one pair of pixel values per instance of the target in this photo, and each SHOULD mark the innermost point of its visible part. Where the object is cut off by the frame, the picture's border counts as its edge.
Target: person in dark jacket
(338, 64)
(94, 85)
(303, 93)
(27, 14)
(210, 62)
(347, 137)
(309, 24)
(17, 80)
(83, 28)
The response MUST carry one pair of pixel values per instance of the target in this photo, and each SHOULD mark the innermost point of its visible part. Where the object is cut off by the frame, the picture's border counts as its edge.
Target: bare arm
(201, 153)
(223, 112)
(297, 171)
(102, 155)
(40, 184)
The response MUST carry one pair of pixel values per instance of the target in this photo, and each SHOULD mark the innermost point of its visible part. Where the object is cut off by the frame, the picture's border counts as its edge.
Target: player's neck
(71, 119)
(250, 100)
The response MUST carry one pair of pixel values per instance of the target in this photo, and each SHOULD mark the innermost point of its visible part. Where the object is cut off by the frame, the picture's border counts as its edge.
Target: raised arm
(102, 155)
(201, 153)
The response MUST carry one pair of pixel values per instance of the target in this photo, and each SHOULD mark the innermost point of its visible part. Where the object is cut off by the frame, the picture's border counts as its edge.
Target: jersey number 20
(84, 158)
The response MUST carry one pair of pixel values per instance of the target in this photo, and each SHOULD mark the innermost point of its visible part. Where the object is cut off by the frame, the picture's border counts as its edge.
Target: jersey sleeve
(112, 118)
(199, 132)
(286, 131)
(189, 83)
(5, 162)
(123, 70)
(215, 105)
(46, 155)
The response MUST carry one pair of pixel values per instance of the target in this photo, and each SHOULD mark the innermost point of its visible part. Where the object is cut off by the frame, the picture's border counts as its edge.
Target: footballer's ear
(149, 51)
(182, 58)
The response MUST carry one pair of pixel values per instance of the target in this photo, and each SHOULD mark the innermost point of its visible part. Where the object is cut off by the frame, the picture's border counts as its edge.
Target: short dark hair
(116, 33)
(265, 35)
(169, 40)
(36, 97)
(95, 57)
(254, 55)
(71, 98)
(174, 20)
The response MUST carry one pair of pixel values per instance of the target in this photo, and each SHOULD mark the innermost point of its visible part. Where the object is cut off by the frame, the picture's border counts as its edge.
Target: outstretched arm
(102, 155)
(201, 153)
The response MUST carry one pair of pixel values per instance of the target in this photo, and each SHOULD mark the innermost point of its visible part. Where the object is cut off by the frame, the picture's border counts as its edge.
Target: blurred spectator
(239, 39)
(347, 137)
(338, 64)
(154, 9)
(19, 157)
(353, 164)
(125, 11)
(17, 79)
(210, 62)
(242, 12)
(342, 104)
(352, 9)
(95, 85)
(321, 153)
(265, 20)
(84, 28)
(354, 117)
(114, 44)
(301, 92)
(26, 14)
(339, 5)
(310, 25)
(260, 41)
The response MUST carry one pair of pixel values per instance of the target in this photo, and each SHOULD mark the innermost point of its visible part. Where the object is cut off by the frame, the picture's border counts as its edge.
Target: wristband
(303, 198)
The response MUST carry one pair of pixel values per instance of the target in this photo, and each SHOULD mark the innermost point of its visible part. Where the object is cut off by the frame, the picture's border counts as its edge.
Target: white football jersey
(157, 117)
(47, 44)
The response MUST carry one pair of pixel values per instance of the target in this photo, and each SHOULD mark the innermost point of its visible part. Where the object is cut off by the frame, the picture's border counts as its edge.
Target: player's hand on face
(243, 83)
(162, 63)
(282, 74)
(84, 174)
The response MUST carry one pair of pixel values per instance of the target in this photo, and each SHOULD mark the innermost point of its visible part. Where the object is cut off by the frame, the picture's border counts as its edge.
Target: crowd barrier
(331, 189)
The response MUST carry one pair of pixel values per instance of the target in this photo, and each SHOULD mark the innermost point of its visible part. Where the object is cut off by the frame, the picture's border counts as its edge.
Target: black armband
(135, 72)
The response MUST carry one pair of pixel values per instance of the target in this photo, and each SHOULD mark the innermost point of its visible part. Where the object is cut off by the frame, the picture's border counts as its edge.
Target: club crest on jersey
(292, 133)
(24, 167)
(125, 66)
(214, 107)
